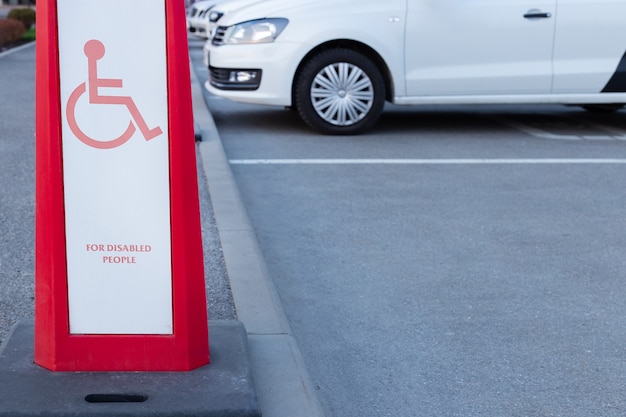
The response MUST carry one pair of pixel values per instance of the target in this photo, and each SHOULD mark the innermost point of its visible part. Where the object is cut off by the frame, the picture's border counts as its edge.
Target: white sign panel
(113, 78)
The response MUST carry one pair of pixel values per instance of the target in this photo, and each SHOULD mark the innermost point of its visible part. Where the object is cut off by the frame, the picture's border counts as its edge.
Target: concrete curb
(284, 387)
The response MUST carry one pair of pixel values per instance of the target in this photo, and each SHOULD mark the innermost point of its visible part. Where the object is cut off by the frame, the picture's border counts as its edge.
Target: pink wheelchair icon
(94, 50)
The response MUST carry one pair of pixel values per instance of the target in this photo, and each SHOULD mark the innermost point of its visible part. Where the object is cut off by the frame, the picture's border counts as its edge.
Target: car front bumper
(231, 66)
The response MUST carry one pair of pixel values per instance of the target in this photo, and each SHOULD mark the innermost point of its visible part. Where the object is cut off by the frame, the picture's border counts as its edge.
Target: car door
(590, 46)
(479, 47)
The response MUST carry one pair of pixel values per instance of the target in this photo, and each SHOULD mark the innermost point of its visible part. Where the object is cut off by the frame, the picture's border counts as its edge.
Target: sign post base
(223, 388)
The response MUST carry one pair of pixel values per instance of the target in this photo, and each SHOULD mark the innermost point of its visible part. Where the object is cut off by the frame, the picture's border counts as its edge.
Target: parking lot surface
(453, 261)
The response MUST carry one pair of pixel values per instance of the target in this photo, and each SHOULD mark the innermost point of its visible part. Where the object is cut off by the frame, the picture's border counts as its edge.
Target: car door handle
(537, 14)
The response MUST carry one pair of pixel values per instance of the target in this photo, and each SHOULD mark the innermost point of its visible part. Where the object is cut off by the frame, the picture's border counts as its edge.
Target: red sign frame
(55, 348)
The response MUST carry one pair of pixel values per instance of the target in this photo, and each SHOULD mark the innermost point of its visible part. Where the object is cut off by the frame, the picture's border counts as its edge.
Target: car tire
(339, 92)
(603, 108)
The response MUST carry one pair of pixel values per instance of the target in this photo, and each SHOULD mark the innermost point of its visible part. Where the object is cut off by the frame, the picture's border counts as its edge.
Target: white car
(197, 17)
(337, 61)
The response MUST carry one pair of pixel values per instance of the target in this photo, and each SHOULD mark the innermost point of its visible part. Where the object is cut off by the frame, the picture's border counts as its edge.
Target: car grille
(218, 37)
(219, 75)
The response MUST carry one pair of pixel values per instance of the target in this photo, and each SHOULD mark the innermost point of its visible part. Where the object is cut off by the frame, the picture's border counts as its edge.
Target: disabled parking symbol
(94, 50)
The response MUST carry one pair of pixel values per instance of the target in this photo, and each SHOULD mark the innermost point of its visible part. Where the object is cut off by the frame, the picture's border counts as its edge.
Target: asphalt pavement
(17, 173)
(238, 285)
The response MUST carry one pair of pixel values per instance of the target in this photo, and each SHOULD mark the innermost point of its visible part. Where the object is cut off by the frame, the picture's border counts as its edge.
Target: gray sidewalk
(238, 286)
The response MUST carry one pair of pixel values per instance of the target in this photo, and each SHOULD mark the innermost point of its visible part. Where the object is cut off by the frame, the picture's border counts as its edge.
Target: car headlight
(255, 31)
(214, 16)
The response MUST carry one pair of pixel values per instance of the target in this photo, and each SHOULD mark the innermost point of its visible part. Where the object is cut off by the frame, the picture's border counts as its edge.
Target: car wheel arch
(364, 49)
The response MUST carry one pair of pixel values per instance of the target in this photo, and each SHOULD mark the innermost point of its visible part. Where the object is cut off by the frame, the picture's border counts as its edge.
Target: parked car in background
(337, 61)
(224, 7)
(197, 17)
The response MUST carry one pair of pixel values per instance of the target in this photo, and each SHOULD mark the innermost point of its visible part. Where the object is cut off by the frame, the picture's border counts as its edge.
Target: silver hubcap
(342, 94)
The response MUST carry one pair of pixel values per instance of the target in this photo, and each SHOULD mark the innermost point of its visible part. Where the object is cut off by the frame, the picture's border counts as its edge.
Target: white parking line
(613, 133)
(497, 161)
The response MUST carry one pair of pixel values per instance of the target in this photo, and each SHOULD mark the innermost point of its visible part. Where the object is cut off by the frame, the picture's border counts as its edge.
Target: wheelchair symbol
(94, 50)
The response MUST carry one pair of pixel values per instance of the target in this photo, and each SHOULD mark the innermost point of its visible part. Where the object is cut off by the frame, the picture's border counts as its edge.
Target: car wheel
(603, 108)
(339, 91)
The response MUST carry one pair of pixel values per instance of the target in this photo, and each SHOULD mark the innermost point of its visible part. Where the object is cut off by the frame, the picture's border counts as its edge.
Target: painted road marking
(610, 133)
(453, 161)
